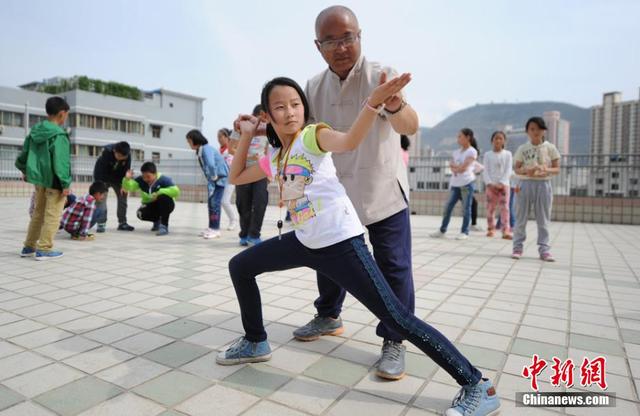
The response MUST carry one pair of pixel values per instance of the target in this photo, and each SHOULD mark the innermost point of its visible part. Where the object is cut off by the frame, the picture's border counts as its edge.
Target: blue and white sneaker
(162, 230)
(244, 241)
(244, 351)
(478, 400)
(28, 252)
(48, 255)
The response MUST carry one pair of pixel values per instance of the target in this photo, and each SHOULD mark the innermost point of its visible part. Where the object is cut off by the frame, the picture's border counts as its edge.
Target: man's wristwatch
(403, 104)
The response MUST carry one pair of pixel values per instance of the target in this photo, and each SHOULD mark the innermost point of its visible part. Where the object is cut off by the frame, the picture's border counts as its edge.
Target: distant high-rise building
(615, 126)
(515, 137)
(558, 131)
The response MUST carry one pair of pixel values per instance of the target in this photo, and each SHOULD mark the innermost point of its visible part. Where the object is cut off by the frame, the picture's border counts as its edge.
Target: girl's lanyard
(282, 177)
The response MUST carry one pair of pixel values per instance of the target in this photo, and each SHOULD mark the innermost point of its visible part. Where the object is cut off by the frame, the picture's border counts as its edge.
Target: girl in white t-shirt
(327, 236)
(461, 184)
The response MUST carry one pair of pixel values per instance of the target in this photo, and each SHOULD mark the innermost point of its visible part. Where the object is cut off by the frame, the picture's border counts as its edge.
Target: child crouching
(82, 214)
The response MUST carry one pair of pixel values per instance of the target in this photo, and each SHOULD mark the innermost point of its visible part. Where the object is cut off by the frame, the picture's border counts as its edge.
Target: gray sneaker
(319, 326)
(391, 363)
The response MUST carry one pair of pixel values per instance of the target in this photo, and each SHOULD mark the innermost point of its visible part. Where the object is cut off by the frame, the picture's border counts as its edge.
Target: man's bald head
(332, 14)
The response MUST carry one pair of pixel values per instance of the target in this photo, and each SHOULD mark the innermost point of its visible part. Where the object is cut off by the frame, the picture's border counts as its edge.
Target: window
(436, 170)
(412, 169)
(599, 181)
(445, 185)
(420, 185)
(10, 118)
(105, 123)
(35, 119)
(155, 131)
(615, 186)
(155, 157)
(171, 105)
(137, 154)
(433, 185)
(599, 192)
(634, 193)
(633, 181)
(615, 175)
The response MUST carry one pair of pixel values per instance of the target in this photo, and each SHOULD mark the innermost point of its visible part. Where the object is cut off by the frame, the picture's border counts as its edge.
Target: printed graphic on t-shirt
(536, 156)
(297, 174)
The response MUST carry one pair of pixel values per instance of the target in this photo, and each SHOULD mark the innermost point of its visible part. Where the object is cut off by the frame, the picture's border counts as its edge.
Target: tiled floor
(129, 324)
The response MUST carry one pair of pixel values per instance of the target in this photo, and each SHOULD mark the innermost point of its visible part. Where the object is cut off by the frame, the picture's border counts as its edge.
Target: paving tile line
(438, 305)
(615, 315)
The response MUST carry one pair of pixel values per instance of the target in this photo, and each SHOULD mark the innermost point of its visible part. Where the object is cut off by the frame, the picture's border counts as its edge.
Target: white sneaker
(210, 234)
(437, 234)
(203, 232)
(476, 228)
(462, 236)
(233, 224)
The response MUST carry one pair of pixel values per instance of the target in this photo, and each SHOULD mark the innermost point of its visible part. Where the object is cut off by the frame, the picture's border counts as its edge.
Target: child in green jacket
(158, 194)
(45, 162)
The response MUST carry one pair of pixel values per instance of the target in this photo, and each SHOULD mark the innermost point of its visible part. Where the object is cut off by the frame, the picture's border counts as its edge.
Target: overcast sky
(460, 52)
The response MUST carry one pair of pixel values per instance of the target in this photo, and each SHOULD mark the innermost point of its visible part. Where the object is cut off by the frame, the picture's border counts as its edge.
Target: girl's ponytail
(272, 137)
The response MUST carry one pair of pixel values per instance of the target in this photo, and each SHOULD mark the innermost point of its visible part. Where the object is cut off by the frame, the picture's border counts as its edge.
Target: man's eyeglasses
(333, 44)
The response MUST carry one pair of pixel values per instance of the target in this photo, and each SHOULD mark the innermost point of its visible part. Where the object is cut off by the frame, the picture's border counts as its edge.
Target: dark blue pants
(214, 203)
(350, 265)
(252, 200)
(391, 242)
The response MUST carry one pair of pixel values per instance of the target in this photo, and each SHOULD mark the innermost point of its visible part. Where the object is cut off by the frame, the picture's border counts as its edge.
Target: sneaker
(101, 228)
(233, 224)
(478, 400)
(391, 363)
(254, 241)
(28, 252)
(476, 228)
(547, 257)
(490, 233)
(437, 234)
(211, 234)
(516, 254)
(244, 241)
(507, 236)
(48, 255)
(244, 351)
(156, 226)
(203, 232)
(125, 227)
(162, 230)
(319, 326)
(462, 236)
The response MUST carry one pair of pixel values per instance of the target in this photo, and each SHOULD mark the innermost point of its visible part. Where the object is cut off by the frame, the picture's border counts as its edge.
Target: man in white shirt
(374, 175)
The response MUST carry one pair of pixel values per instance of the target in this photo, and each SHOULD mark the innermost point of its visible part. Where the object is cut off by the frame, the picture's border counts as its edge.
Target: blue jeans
(391, 242)
(214, 202)
(465, 194)
(350, 265)
(512, 212)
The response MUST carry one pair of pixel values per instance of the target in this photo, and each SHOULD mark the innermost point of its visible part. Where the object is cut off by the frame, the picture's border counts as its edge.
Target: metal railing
(186, 173)
(601, 176)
